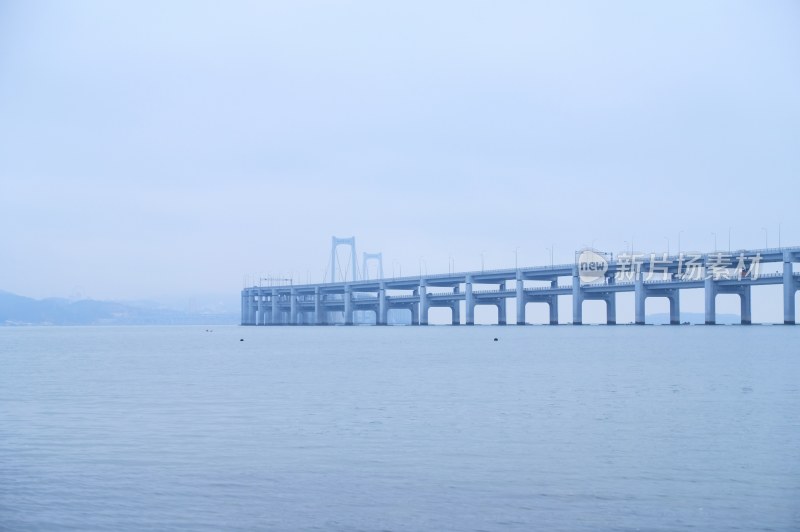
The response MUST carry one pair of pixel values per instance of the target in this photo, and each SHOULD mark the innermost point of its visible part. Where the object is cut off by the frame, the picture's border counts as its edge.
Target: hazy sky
(169, 148)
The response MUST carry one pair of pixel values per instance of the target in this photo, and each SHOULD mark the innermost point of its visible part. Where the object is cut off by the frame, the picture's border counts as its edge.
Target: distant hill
(20, 310)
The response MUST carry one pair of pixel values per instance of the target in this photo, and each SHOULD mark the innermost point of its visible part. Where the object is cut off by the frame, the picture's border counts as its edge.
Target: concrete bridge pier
(553, 303)
(267, 308)
(383, 310)
(640, 298)
(455, 308)
(521, 302)
(318, 317)
(253, 309)
(711, 301)
(470, 302)
(268, 314)
(260, 313)
(501, 306)
(577, 298)
(789, 289)
(424, 304)
(746, 303)
(611, 303)
(414, 314)
(292, 307)
(275, 315)
(674, 307)
(348, 305)
(246, 302)
(611, 308)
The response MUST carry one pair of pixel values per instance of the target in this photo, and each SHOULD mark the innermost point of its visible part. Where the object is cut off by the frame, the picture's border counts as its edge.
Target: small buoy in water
(241, 339)
(495, 339)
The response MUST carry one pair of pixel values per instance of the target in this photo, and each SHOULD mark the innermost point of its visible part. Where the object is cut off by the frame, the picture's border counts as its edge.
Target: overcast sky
(169, 148)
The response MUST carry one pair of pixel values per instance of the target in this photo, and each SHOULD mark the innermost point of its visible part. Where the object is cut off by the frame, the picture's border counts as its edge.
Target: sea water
(400, 428)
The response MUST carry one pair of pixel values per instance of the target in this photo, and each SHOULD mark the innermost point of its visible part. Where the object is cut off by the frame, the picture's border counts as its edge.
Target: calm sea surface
(400, 428)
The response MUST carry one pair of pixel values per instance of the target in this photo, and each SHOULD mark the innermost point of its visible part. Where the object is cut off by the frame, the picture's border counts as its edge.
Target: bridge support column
(501, 312)
(317, 306)
(501, 306)
(611, 309)
(789, 288)
(268, 309)
(260, 306)
(640, 296)
(424, 304)
(456, 313)
(456, 308)
(292, 307)
(348, 305)
(577, 298)
(251, 309)
(745, 300)
(470, 302)
(414, 313)
(275, 317)
(611, 303)
(383, 311)
(246, 307)
(675, 307)
(520, 300)
(711, 300)
(553, 303)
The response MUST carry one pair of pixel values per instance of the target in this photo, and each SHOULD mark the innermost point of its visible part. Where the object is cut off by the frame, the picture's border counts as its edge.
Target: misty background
(165, 151)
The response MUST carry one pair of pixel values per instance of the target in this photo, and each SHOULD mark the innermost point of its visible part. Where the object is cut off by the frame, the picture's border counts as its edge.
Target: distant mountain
(19, 310)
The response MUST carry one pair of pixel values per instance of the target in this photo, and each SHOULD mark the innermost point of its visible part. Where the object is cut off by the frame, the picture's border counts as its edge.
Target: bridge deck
(658, 276)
